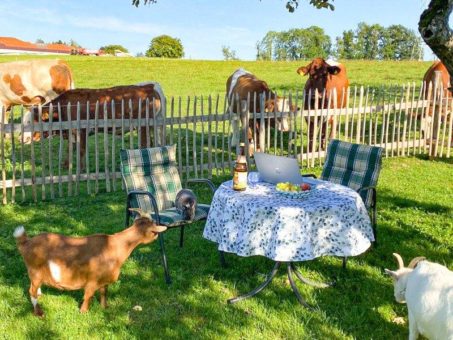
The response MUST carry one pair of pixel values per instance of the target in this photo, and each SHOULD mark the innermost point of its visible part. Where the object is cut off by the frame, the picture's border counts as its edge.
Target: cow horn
(399, 259)
(140, 212)
(415, 261)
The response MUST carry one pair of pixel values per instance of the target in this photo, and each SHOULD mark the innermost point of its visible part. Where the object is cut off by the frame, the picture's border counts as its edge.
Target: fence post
(2, 146)
(437, 107)
(262, 134)
(245, 127)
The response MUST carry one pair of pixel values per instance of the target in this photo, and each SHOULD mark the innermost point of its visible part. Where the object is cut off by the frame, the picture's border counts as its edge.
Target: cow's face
(318, 71)
(283, 105)
(33, 116)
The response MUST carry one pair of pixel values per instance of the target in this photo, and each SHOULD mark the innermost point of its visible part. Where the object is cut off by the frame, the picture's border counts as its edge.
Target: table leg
(307, 281)
(259, 288)
(291, 269)
(295, 290)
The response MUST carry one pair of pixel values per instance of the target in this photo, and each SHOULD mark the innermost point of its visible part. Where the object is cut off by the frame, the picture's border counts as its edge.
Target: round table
(330, 219)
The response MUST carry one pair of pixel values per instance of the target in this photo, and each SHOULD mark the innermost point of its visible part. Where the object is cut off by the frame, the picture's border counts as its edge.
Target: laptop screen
(275, 169)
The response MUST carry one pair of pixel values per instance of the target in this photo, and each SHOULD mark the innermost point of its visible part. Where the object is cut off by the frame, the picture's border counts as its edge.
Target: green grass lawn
(197, 77)
(415, 217)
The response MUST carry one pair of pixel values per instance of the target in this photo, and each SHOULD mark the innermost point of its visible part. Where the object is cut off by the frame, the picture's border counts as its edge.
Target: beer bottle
(240, 170)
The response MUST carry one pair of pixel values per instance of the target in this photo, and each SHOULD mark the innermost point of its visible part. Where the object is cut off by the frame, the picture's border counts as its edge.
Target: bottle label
(239, 180)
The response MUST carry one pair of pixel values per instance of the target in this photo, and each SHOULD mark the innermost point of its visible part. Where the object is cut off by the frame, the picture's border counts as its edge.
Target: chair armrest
(202, 180)
(373, 190)
(132, 193)
(310, 175)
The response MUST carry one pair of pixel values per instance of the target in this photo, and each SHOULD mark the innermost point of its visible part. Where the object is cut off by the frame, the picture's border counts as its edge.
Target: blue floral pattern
(331, 220)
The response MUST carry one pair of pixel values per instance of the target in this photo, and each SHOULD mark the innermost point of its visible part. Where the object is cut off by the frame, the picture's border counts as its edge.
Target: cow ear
(333, 70)
(269, 106)
(303, 70)
(37, 100)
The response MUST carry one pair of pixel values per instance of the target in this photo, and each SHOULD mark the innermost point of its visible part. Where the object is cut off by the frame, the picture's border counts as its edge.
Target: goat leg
(103, 295)
(89, 292)
(34, 294)
(413, 329)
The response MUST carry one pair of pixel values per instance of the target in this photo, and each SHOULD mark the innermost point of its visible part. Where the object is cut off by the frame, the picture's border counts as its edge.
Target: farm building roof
(10, 43)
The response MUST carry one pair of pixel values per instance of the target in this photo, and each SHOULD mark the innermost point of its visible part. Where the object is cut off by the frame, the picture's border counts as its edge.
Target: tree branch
(291, 5)
(435, 31)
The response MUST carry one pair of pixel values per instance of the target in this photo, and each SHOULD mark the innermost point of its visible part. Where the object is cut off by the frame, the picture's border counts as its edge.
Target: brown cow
(444, 81)
(324, 76)
(32, 82)
(151, 91)
(244, 85)
(430, 75)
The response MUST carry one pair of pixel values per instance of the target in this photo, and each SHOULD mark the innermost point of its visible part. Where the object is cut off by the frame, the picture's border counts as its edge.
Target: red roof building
(10, 45)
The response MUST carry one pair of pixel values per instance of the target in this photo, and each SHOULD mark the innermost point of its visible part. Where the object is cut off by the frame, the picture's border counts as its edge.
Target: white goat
(427, 289)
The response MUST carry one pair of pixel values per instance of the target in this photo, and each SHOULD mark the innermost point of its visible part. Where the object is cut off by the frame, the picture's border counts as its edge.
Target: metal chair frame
(156, 212)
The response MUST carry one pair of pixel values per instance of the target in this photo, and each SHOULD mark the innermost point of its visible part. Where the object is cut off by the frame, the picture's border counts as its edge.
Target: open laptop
(274, 169)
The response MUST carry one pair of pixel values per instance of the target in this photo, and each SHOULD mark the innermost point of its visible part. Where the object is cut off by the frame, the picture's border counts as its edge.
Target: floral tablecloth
(331, 220)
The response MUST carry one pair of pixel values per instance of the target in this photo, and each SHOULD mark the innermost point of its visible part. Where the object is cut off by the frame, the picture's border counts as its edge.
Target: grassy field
(191, 77)
(415, 217)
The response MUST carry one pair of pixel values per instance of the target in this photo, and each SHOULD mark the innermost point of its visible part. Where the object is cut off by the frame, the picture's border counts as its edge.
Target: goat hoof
(38, 312)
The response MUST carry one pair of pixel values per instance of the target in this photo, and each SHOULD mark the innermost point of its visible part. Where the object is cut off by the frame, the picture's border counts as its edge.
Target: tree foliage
(111, 49)
(294, 44)
(164, 46)
(395, 42)
(228, 53)
(291, 5)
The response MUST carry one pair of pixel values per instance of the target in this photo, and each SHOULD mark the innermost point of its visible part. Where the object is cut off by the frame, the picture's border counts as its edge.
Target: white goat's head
(400, 276)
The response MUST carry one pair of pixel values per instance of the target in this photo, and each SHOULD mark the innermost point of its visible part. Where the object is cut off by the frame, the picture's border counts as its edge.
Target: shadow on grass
(195, 304)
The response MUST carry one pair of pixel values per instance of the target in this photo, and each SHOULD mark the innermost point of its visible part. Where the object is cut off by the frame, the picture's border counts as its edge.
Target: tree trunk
(435, 31)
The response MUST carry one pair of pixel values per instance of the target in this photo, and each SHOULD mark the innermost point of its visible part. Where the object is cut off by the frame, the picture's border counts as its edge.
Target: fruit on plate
(287, 186)
(305, 186)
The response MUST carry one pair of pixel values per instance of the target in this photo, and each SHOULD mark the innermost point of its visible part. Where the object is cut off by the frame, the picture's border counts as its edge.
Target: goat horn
(141, 212)
(415, 261)
(399, 259)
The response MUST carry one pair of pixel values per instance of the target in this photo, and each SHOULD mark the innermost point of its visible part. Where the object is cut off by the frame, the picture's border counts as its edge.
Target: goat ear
(140, 212)
(158, 228)
(391, 273)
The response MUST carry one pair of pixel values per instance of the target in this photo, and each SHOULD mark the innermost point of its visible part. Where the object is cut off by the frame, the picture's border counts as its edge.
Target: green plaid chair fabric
(152, 182)
(353, 165)
(155, 170)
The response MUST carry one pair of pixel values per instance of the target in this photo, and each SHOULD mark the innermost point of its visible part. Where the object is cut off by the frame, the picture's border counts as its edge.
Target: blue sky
(203, 26)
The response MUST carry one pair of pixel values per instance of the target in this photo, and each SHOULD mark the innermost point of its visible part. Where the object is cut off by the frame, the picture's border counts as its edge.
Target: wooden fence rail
(82, 155)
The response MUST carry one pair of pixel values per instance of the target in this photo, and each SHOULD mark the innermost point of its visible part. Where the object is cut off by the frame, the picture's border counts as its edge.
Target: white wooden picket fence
(405, 121)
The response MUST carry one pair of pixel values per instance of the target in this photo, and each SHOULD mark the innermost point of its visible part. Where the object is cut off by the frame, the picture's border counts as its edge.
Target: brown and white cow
(324, 76)
(444, 82)
(32, 82)
(132, 93)
(243, 85)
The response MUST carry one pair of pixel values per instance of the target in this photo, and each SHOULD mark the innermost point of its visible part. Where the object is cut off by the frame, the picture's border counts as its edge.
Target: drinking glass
(253, 178)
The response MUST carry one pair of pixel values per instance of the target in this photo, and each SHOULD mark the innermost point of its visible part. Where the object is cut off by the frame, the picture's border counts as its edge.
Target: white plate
(294, 194)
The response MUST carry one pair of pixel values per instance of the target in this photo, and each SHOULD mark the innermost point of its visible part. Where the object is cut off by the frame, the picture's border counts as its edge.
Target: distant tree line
(373, 42)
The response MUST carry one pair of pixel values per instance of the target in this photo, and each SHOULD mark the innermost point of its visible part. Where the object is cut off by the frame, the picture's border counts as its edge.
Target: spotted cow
(32, 82)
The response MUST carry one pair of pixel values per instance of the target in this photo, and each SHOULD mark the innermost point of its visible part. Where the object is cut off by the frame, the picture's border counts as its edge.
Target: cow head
(318, 70)
(32, 116)
(29, 118)
(281, 104)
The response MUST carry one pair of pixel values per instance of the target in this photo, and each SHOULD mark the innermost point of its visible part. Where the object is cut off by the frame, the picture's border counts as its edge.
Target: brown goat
(90, 263)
